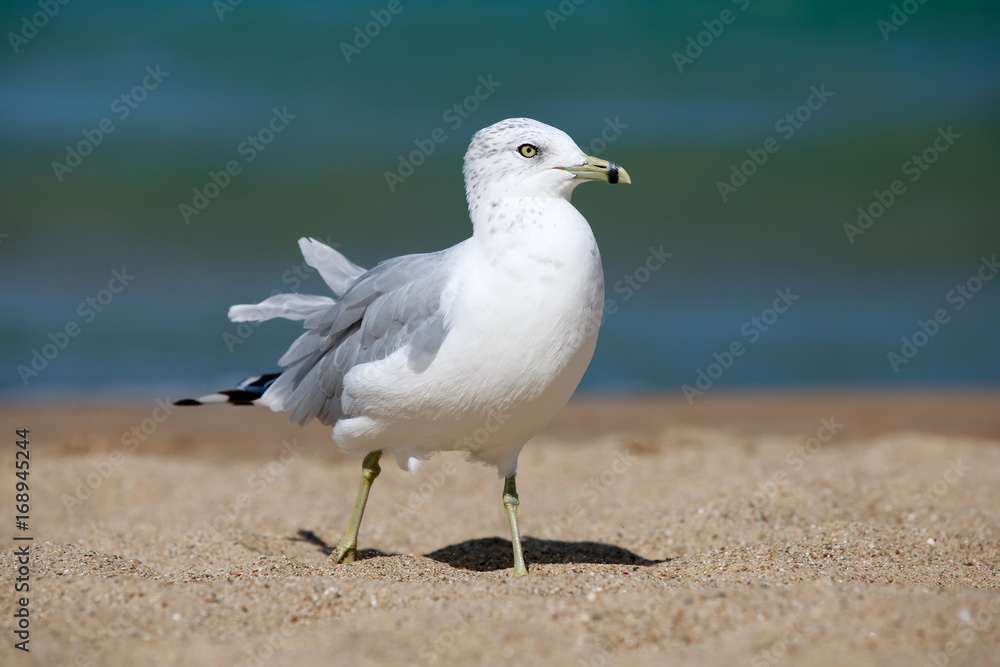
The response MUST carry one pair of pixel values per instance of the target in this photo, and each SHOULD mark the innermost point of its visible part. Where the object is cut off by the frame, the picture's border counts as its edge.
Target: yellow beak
(596, 169)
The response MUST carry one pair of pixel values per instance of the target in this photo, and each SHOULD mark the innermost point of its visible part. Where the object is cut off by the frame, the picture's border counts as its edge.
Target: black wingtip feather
(242, 397)
(245, 393)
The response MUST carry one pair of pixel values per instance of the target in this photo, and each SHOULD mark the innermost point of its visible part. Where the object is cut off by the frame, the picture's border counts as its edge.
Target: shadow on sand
(494, 553)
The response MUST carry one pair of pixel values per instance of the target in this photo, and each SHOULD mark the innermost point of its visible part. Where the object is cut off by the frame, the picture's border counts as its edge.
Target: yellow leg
(347, 552)
(510, 503)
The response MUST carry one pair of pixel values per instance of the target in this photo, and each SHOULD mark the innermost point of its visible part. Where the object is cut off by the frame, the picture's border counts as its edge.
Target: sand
(808, 529)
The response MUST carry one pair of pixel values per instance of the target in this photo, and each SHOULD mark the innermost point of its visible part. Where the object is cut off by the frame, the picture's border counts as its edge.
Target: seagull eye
(527, 150)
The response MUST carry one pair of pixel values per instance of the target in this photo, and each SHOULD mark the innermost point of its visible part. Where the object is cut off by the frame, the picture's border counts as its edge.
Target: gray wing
(395, 304)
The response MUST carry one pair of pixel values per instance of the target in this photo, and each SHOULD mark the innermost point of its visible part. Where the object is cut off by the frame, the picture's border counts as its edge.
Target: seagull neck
(521, 215)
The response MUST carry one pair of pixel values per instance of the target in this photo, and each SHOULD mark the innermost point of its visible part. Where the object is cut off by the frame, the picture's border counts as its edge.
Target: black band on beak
(612, 173)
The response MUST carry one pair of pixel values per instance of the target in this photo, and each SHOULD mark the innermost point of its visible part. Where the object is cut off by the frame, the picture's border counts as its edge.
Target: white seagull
(473, 348)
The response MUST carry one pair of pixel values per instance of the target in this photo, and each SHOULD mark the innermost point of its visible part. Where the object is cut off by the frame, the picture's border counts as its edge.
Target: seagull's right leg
(347, 552)
(510, 503)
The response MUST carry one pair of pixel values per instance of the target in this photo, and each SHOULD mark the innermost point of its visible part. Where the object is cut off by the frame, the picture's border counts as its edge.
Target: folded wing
(396, 305)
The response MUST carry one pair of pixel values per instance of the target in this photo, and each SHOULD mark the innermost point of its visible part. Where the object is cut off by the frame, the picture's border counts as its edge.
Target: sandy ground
(837, 529)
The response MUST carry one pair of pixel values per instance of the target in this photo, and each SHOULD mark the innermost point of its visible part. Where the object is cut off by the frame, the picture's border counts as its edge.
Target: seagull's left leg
(510, 503)
(347, 552)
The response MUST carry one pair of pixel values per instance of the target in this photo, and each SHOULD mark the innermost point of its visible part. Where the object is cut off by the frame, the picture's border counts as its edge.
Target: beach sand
(805, 529)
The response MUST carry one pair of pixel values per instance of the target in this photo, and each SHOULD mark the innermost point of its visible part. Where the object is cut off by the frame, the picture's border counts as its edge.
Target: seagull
(473, 348)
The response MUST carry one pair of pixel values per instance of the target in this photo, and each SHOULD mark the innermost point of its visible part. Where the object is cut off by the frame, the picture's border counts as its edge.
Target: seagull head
(520, 157)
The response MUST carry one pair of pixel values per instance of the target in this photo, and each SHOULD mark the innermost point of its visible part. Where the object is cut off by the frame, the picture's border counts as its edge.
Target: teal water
(608, 74)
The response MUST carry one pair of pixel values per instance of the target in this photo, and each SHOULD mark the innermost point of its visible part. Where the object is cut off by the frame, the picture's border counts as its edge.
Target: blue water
(609, 67)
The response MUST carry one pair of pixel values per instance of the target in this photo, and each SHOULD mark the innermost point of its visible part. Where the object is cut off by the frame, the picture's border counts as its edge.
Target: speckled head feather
(495, 168)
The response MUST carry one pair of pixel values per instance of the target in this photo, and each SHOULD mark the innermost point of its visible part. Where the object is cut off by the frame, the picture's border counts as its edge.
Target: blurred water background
(623, 79)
